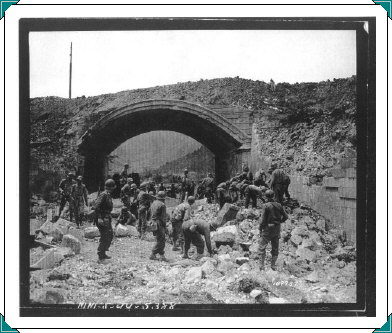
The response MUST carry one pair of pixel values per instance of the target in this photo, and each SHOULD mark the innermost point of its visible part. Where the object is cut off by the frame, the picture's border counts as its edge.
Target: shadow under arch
(229, 144)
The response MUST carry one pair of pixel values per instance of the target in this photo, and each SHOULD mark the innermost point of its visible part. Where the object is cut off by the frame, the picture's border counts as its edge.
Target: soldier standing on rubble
(103, 218)
(185, 186)
(158, 219)
(233, 192)
(192, 234)
(260, 178)
(208, 185)
(221, 194)
(124, 173)
(79, 197)
(125, 194)
(65, 188)
(251, 193)
(246, 174)
(143, 200)
(181, 214)
(273, 215)
(279, 184)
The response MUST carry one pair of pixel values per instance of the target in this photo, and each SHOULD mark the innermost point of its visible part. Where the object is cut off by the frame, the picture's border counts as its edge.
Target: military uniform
(221, 194)
(251, 193)
(125, 195)
(202, 228)
(208, 185)
(65, 189)
(158, 217)
(273, 215)
(185, 187)
(233, 192)
(79, 197)
(103, 209)
(279, 184)
(260, 178)
(143, 199)
(181, 213)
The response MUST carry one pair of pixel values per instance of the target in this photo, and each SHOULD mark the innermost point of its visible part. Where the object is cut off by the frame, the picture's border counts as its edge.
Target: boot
(105, 256)
(153, 257)
(182, 248)
(163, 258)
(273, 262)
(262, 260)
(199, 256)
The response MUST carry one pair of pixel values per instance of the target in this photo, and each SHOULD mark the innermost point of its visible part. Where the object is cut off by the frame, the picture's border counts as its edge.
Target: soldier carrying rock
(65, 188)
(158, 220)
(103, 209)
(79, 198)
(273, 215)
(181, 213)
(208, 185)
(252, 192)
(280, 184)
(144, 201)
(192, 234)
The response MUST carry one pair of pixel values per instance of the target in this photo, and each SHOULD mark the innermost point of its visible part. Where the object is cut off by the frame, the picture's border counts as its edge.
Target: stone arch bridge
(226, 131)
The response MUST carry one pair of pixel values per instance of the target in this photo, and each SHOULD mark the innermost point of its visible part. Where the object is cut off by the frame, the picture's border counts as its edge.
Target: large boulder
(122, 231)
(72, 242)
(52, 229)
(208, 267)
(305, 254)
(246, 226)
(63, 225)
(225, 235)
(51, 259)
(35, 225)
(194, 274)
(78, 233)
(296, 239)
(225, 266)
(226, 214)
(132, 231)
(48, 296)
(91, 232)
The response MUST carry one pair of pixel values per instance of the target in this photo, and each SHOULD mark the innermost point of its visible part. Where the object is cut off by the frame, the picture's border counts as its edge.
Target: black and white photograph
(181, 167)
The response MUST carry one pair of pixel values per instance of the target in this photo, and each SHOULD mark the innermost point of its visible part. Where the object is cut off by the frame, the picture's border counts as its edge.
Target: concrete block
(331, 182)
(338, 173)
(348, 192)
(351, 172)
(346, 163)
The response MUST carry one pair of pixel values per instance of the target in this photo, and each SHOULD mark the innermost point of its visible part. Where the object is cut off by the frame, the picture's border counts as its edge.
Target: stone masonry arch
(230, 145)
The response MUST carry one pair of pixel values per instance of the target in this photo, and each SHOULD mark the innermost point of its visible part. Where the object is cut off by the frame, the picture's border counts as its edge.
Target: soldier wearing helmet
(273, 215)
(183, 212)
(280, 182)
(126, 193)
(79, 199)
(65, 188)
(103, 209)
(208, 185)
(222, 194)
(158, 221)
(193, 231)
(186, 185)
(233, 192)
(124, 173)
(144, 201)
(251, 194)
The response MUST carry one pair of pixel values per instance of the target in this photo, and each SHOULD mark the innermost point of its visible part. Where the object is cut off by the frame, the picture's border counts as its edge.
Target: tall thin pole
(70, 72)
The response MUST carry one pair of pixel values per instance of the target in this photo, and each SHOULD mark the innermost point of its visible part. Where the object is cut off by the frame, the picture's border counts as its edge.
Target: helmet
(126, 165)
(70, 174)
(245, 168)
(133, 185)
(269, 193)
(143, 185)
(185, 170)
(191, 200)
(129, 180)
(110, 184)
(161, 195)
(209, 174)
(80, 178)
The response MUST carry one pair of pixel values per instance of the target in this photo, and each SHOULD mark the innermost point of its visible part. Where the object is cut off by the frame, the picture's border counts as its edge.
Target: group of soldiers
(147, 203)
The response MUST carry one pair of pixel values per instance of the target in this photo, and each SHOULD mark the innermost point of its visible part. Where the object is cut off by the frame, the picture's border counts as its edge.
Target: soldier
(124, 173)
(162, 187)
(233, 192)
(65, 188)
(172, 191)
(103, 209)
(251, 193)
(208, 185)
(260, 178)
(143, 200)
(126, 217)
(273, 215)
(246, 174)
(181, 213)
(125, 194)
(158, 217)
(279, 184)
(79, 197)
(133, 199)
(185, 185)
(221, 194)
(192, 234)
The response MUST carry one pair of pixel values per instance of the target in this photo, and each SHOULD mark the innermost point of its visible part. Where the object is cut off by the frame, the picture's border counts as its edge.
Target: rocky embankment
(315, 265)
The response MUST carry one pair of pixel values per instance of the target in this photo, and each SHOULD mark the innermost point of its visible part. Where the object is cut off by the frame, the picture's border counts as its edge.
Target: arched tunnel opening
(226, 142)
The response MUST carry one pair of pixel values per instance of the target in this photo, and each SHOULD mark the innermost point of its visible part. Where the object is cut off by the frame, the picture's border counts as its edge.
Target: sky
(113, 61)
